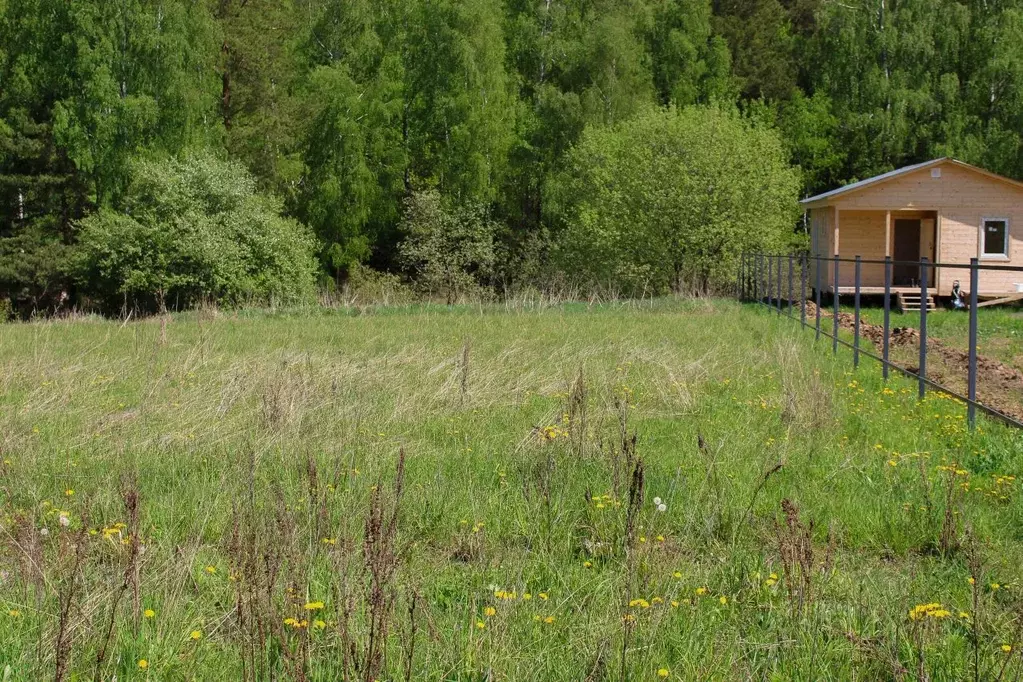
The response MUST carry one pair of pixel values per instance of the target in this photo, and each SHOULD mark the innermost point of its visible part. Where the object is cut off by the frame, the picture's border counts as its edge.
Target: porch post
(887, 234)
(835, 252)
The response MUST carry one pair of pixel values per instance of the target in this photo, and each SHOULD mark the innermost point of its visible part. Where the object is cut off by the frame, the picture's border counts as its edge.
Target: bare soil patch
(999, 385)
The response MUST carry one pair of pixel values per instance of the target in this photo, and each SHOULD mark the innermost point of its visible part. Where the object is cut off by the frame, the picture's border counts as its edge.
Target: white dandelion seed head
(44, 532)
(657, 501)
(64, 521)
(662, 507)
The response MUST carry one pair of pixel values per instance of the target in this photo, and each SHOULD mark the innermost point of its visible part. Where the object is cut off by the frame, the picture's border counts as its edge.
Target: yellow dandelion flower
(195, 635)
(549, 619)
(149, 613)
(526, 596)
(211, 569)
(490, 611)
(677, 575)
(587, 564)
(143, 664)
(14, 613)
(1007, 648)
(663, 672)
(701, 591)
(481, 625)
(319, 624)
(314, 606)
(544, 596)
(723, 599)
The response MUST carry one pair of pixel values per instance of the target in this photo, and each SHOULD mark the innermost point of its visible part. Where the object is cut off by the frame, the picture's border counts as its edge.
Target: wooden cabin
(945, 210)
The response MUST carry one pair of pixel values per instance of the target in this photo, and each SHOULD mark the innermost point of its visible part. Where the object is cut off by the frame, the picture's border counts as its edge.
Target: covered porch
(906, 236)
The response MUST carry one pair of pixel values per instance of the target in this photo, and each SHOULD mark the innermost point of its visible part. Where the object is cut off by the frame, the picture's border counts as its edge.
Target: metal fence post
(817, 313)
(749, 275)
(756, 276)
(742, 277)
(971, 383)
(856, 314)
(802, 290)
(770, 281)
(834, 337)
(791, 275)
(922, 371)
(779, 282)
(887, 315)
(738, 277)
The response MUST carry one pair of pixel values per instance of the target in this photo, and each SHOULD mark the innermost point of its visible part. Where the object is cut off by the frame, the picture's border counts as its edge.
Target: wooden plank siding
(959, 198)
(862, 233)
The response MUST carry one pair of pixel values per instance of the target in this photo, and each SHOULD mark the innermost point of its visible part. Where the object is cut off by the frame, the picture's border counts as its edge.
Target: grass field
(670, 490)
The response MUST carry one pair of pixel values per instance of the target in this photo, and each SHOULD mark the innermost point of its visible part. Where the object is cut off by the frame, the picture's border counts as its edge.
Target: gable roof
(890, 175)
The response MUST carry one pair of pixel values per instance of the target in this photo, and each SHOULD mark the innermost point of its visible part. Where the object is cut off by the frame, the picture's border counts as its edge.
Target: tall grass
(536, 492)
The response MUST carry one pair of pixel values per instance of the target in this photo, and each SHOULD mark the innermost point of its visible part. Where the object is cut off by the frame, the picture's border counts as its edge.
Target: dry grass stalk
(381, 562)
(130, 580)
(635, 507)
(67, 598)
(463, 382)
(577, 402)
(949, 540)
(795, 546)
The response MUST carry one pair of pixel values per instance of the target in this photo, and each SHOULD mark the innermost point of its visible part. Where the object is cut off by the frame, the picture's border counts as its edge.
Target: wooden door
(906, 248)
(927, 238)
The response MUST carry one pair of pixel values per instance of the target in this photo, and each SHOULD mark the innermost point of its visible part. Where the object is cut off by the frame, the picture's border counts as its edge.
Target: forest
(157, 152)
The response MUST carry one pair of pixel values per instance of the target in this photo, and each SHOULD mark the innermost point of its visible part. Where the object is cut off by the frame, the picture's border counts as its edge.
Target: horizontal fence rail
(760, 280)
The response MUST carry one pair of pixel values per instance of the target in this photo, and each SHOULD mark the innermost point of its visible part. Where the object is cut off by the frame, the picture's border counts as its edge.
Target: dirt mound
(900, 336)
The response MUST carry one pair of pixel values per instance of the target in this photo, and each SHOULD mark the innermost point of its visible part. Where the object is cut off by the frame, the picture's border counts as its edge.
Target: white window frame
(981, 232)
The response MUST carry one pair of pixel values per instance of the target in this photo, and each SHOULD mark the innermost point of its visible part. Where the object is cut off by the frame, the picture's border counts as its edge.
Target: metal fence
(770, 279)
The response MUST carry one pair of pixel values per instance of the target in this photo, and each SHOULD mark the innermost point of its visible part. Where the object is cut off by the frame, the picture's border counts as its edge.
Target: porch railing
(770, 280)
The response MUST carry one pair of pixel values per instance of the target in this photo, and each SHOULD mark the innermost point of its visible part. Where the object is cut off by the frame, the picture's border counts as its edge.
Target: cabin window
(994, 238)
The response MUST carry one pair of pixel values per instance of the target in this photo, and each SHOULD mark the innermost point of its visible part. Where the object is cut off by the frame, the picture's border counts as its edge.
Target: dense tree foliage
(190, 231)
(669, 198)
(343, 109)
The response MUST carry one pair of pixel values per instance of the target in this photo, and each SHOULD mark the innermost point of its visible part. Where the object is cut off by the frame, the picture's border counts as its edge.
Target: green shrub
(366, 286)
(192, 230)
(448, 249)
(670, 198)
